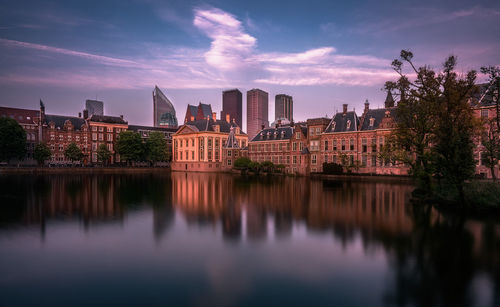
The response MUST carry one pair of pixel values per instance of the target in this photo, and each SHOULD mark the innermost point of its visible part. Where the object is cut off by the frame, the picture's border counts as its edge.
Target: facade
(202, 145)
(286, 145)
(200, 112)
(257, 111)
(94, 107)
(163, 110)
(145, 131)
(232, 101)
(29, 120)
(283, 107)
(105, 130)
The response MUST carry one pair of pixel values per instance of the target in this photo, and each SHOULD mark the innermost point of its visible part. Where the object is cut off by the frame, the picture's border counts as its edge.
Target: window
(351, 144)
(216, 142)
(311, 131)
(301, 146)
(94, 128)
(297, 135)
(294, 146)
(294, 159)
(110, 129)
(364, 147)
(348, 124)
(101, 137)
(110, 137)
(287, 146)
(192, 155)
(281, 147)
(374, 144)
(372, 121)
(110, 147)
(229, 153)
(326, 145)
(287, 159)
(363, 160)
(318, 130)
(94, 146)
(484, 113)
(326, 159)
(374, 160)
(343, 144)
(313, 159)
(335, 144)
(228, 161)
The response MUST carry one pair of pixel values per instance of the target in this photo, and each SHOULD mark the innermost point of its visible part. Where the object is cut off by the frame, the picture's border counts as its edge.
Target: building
(105, 129)
(283, 107)
(145, 131)
(202, 145)
(232, 101)
(58, 131)
(257, 111)
(286, 145)
(200, 112)
(94, 107)
(29, 120)
(163, 110)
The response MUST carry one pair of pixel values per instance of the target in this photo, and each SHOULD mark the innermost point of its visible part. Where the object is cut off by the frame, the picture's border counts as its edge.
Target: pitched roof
(206, 109)
(107, 119)
(193, 110)
(274, 134)
(232, 142)
(340, 122)
(59, 121)
(208, 125)
(377, 115)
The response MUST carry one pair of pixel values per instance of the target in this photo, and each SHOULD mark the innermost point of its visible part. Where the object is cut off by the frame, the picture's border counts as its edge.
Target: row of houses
(303, 147)
(87, 131)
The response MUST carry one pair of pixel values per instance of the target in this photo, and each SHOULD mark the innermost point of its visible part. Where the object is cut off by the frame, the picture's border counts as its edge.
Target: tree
(73, 152)
(130, 146)
(12, 140)
(41, 153)
(434, 109)
(242, 163)
(103, 153)
(156, 147)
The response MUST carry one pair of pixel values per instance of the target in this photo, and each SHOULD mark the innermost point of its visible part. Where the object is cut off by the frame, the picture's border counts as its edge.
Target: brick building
(28, 119)
(105, 130)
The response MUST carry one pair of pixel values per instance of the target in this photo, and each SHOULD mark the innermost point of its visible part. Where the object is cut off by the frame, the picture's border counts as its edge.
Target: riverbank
(82, 170)
(366, 178)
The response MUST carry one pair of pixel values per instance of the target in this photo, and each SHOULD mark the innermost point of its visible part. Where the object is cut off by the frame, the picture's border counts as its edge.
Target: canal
(191, 239)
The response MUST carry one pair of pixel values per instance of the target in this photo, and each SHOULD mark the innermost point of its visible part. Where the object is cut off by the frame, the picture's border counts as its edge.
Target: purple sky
(323, 54)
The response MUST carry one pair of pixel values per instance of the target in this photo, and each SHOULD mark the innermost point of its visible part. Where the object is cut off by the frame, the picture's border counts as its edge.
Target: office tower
(163, 110)
(94, 107)
(257, 111)
(232, 105)
(283, 105)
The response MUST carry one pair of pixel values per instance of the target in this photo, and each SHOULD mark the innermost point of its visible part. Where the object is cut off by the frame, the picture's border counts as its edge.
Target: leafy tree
(130, 146)
(254, 166)
(12, 140)
(103, 153)
(267, 166)
(434, 109)
(493, 73)
(73, 152)
(332, 168)
(242, 163)
(41, 153)
(156, 147)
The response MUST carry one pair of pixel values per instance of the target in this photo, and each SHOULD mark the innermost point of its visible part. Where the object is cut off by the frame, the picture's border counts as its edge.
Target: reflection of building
(200, 145)
(232, 102)
(257, 111)
(145, 131)
(94, 107)
(283, 106)
(163, 110)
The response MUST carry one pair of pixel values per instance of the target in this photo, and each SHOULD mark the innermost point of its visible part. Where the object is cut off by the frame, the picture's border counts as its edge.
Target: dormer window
(372, 121)
(348, 124)
(333, 126)
(237, 130)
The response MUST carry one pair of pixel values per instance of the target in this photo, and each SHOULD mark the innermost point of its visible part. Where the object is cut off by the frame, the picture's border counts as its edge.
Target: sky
(323, 53)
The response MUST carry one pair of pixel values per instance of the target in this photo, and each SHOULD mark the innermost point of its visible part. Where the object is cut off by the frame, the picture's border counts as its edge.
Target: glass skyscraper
(163, 110)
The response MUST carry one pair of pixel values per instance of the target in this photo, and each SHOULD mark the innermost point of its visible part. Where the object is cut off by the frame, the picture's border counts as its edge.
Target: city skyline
(324, 54)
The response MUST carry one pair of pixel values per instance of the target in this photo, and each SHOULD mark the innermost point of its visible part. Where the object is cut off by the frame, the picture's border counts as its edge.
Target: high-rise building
(257, 111)
(163, 110)
(94, 107)
(283, 105)
(232, 101)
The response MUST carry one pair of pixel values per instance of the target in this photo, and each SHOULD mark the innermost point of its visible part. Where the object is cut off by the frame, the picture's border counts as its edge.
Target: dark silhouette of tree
(12, 140)
(41, 153)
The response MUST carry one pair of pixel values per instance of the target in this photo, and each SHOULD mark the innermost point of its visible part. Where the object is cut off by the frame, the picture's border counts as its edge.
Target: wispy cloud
(232, 59)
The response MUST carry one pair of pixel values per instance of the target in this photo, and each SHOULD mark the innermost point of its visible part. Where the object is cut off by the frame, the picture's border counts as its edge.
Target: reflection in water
(432, 259)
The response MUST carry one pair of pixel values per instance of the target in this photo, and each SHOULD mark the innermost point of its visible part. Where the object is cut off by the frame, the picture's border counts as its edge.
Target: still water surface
(218, 240)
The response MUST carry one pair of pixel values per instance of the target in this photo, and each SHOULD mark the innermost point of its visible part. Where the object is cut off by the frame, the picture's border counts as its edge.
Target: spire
(389, 100)
(42, 106)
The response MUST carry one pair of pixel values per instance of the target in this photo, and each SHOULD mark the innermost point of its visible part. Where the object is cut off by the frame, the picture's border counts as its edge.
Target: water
(218, 240)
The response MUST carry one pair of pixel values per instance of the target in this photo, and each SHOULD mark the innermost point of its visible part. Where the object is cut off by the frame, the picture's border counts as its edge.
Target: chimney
(367, 106)
(227, 118)
(278, 124)
(192, 118)
(344, 107)
(214, 116)
(121, 116)
(85, 114)
(262, 127)
(79, 114)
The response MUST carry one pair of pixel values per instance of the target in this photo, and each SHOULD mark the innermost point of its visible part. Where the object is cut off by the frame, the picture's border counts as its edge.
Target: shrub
(332, 168)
